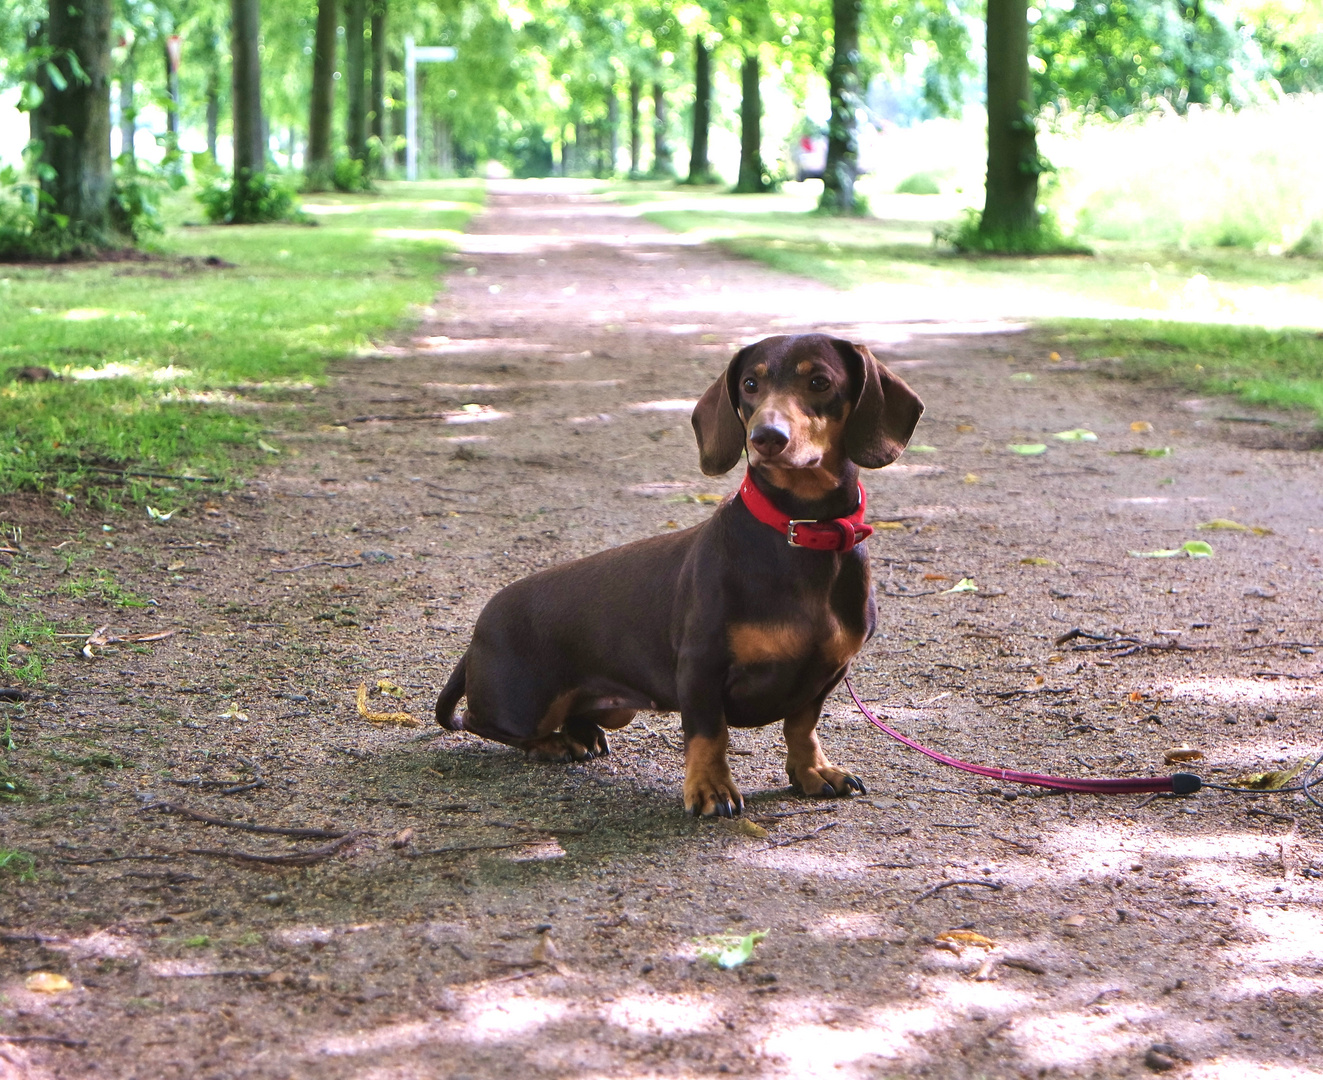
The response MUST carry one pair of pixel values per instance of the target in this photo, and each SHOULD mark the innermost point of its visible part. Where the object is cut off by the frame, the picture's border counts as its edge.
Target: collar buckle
(792, 525)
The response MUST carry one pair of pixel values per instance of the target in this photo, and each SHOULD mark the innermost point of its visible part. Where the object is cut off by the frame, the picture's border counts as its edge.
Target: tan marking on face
(767, 643)
(555, 715)
(804, 367)
(760, 370)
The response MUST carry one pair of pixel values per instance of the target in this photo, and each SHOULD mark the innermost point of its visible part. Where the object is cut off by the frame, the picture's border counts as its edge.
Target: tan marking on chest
(839, 645)
(767, 643)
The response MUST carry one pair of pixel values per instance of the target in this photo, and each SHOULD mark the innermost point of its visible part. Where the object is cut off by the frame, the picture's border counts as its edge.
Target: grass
(165, 364)
(1218, 320)
(19, 863)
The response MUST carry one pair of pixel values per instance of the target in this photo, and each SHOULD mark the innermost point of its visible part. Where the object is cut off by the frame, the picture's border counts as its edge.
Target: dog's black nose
(769, 439)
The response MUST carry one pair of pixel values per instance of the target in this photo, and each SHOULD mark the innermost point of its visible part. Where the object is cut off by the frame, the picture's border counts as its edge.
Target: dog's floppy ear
(884, 415)
(717, 424)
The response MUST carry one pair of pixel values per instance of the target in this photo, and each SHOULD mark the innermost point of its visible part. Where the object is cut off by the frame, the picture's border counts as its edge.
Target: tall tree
(246, 97)
(751, 178)
(635, 134)
(845, 87)
(355, 79)
(700, 170)
(74, 115)
(662, 165)
(1010, 211)
(319, 164)
(128, 108)
(377, 99)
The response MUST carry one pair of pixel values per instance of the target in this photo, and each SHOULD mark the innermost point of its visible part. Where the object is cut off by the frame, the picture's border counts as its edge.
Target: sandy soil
(487, 916)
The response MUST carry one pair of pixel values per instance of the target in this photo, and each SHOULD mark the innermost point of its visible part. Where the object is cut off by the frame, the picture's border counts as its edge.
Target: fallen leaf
(1233, 526)
(1140, 427)
(1269, 781)
(1076, 435)
(262, 444)
(745, 827)
(157, 515)
(963, 585)
(971, 478)
(936, 577)
(1074, 920)
(234, 714)
(1182, 753)
(887, 524)
(1028, 449)
(388, 687)
(965, 429)
(707, 498)
(175, 566)
(47, 982)
(1040, 680)
(1022, 376)
(544, 952)
(1198, 549)
(967, 937)
(670, 524)
(402, 839)
(1155, 452)
(1135, 695)
(1036, 560)
(920, 448)
(727, 951)
(1055, 357)
(378, 717)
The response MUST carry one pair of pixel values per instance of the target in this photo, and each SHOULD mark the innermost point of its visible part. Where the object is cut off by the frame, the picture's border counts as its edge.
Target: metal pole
(410, 110)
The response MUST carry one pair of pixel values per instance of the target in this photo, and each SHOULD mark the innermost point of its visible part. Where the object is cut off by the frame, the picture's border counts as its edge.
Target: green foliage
(350, 175)
(19, 863)
(29, 632)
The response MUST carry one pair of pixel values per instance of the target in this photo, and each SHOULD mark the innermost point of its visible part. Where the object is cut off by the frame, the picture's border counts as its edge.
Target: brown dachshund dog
(747, 619)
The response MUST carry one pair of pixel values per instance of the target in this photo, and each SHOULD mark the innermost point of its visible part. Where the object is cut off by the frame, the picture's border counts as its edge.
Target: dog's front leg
(807, 766)
(709, 788)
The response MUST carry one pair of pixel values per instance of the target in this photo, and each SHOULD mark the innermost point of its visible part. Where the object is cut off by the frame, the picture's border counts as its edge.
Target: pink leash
(1177, 784)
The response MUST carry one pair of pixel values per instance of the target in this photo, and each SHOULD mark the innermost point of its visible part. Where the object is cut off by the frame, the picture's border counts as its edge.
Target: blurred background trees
(746, 92)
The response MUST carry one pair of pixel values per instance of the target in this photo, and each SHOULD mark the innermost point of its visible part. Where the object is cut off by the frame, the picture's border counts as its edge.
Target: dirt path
(490, 917)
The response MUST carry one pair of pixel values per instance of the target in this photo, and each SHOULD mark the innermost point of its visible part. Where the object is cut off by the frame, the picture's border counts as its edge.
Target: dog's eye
(819, 383)
(750, 385)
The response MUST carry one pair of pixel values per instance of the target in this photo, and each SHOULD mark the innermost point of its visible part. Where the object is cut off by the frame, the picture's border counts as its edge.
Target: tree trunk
(377, 102)
(168, 49)
(320, 164)
(1010, 210)
(846, 91)
(355, 73)
(81, 185)
(445, 149)
(128, 110)
(213, 107)
(700, 171)
(635, 139)
(397, 119)
(661, 145)
(246, 107)
(613, 133)
(751, 128)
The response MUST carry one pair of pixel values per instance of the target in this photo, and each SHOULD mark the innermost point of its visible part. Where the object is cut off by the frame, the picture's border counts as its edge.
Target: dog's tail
(450, 695)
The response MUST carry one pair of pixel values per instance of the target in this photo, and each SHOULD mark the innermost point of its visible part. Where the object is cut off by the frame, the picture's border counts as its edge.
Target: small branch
(293, 858)
(271, 830)
(399, 416)
(1020, 962)
(459, 849)
(995, 886)
(117, 858)
(236, 974)
(309, 566)
(53, 1040)
(152, 475)
(807, 836)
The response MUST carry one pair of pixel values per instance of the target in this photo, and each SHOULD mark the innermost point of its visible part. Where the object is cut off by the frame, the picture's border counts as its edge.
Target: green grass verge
(189, 342)
(1196, 318)
(1278, 368)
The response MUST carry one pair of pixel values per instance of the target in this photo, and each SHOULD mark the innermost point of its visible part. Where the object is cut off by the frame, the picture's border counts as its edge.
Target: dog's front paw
(709, 789)
(825, 781)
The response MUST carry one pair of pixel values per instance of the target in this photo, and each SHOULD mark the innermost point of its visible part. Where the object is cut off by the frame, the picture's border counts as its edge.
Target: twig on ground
(153, 475)
(806, 836)
(1031, 966)
(270, 830)
(52, 1040)
(459, 849)
(116, 858)
(101, 637)
(291, 858)
(659, 736)
(241, 973)
(323, 562)
(229, 787)
(1071, 635)
(995, 886)
(1022, 848)
(954, 825)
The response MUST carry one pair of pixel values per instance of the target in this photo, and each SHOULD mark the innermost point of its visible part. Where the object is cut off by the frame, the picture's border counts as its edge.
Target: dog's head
(806, 402)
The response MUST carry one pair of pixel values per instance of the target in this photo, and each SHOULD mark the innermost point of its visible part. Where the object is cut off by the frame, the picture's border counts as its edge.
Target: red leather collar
(832, 534)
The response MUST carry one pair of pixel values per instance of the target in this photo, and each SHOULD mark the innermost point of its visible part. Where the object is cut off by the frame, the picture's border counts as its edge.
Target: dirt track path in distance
(556, 937)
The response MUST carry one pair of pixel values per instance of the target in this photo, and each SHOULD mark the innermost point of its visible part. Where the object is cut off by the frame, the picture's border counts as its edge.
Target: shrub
(261, 197)
(350, 175)
(967, 235)
(919, 183)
